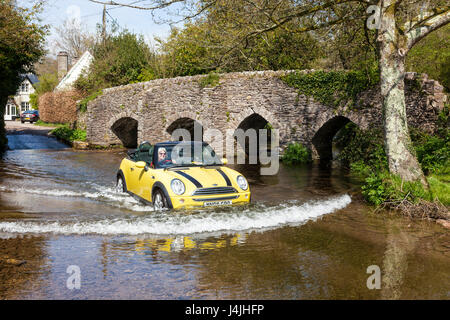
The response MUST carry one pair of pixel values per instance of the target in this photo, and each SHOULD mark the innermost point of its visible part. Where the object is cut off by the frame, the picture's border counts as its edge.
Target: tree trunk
(393, 49)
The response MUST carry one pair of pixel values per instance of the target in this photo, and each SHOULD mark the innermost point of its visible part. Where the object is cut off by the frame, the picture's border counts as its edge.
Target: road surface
(29, 136)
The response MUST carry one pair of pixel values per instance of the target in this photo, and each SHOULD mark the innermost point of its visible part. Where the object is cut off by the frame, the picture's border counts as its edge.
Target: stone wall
(157, 104)
(81, 119)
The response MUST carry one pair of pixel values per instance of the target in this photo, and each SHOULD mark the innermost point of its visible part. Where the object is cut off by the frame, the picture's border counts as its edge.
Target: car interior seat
(145, 153)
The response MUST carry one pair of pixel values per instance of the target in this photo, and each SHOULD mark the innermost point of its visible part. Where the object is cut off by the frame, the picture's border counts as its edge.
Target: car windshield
(186, 154)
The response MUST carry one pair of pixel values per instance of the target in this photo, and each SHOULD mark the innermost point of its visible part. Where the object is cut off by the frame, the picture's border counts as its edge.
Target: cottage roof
(31, 77)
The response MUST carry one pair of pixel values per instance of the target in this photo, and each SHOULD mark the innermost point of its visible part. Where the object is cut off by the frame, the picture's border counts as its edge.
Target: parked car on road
(184, 174)
(30, 115)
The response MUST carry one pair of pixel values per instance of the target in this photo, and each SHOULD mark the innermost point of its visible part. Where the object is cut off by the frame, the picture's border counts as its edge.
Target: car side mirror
(141, 165)
(224, 161)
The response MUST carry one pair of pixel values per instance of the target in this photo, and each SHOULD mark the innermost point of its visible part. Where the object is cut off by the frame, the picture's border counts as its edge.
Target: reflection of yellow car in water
(186, 243)
(181, 175)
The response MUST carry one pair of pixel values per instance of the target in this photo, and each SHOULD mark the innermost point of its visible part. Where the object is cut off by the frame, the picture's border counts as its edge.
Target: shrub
(146, 75)
(433, 154)
(375, 190)
(69, 135)
(433, 151)
(34, 99)
(361, 150)
(360, 168)
(384, 188)
(296, 153)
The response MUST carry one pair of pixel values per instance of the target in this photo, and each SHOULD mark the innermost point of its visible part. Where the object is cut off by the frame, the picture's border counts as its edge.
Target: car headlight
(242, 183)
(177, 187)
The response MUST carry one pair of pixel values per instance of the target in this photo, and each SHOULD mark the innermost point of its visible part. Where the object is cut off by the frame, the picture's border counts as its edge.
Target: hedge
(59, 107)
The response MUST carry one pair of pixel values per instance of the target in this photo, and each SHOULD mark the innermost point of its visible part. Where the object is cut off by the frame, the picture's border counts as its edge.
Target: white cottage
(21, 101)
(70, 76)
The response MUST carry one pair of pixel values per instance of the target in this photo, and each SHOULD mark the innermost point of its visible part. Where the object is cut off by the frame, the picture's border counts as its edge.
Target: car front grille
(215, 190)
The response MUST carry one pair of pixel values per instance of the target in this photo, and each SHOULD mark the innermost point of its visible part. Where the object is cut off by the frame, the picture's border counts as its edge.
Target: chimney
(63, 64)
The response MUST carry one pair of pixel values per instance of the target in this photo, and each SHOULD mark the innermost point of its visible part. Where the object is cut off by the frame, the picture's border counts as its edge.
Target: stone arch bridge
(130, 114)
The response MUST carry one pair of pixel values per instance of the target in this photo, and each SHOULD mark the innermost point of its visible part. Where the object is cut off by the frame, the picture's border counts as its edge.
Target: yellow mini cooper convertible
(182, 174)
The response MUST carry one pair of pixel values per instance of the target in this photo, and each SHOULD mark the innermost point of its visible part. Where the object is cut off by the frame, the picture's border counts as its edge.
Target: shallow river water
(306, 235)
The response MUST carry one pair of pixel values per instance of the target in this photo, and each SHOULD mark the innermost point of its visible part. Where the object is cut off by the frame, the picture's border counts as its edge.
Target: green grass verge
(47, 124)
(440, 188)
(69, 135)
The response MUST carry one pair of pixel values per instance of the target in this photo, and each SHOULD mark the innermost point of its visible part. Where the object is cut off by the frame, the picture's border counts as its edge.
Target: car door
(131, 175)
(145, 181)
(145, 177)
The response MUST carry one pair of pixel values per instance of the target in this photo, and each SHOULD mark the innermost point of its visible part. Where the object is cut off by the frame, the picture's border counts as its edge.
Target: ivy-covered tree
(21, 45)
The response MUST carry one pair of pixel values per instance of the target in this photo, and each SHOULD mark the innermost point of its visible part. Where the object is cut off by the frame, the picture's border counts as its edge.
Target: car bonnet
(203, 177)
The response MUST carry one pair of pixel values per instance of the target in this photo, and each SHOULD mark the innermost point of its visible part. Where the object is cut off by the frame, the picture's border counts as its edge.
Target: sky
(90, 14)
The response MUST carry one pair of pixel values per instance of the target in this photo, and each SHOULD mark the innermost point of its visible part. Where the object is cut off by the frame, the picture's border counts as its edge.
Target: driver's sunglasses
(162, 152)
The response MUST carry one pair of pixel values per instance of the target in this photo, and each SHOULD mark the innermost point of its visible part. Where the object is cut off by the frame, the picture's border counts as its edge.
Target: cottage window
(24, 87)
(25, 106)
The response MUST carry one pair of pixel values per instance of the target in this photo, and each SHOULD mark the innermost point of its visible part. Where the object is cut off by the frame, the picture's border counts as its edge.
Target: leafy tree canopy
(22, 40)
(119, 59)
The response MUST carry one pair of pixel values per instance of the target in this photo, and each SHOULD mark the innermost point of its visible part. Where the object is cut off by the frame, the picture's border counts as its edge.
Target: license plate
(27, 118)
(218, 203)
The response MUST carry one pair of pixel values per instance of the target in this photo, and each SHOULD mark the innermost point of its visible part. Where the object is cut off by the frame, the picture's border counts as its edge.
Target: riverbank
(422, 210)
(76, 138)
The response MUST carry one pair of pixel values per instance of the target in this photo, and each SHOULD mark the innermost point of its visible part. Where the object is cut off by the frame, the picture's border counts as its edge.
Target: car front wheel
(159, 200)
(120, 186)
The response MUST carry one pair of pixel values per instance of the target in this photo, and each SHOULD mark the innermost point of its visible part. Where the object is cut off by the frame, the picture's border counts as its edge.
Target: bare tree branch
(158, 5)
(439, 17)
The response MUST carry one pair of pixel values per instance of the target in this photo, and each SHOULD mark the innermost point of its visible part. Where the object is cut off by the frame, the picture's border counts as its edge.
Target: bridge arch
(126, 130)
(239, 118)
(255, 122)
(323, 138)
(188, 124)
